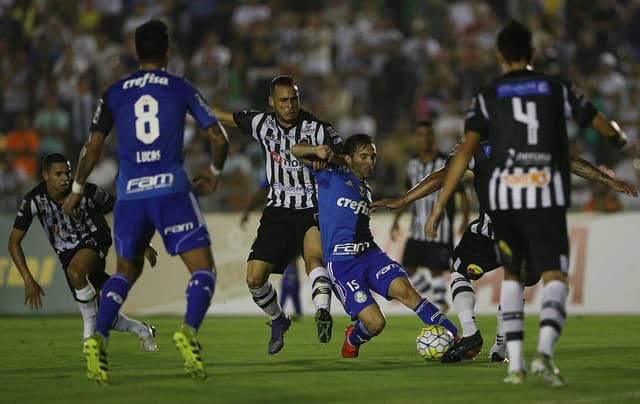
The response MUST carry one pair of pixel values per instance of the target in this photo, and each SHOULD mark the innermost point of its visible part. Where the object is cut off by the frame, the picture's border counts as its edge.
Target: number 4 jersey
(523, 116)
(148, 109)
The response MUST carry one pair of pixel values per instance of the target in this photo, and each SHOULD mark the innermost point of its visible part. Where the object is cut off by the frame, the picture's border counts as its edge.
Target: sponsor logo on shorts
(178, 228)
(141, 184)
(385, 269)
(360, 296)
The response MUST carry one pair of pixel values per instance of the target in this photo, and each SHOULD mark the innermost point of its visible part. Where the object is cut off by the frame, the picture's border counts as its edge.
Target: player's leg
(413, 257)
(320, 283)
(438, 290)
(83, 262)
(370, 323)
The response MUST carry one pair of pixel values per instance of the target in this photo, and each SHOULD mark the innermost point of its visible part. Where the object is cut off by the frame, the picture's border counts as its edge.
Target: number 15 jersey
(148, 109)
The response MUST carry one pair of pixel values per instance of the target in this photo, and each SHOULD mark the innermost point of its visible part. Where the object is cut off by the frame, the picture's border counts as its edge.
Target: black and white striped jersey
(290, 183)
(523, 117)
(65, 232)
(421, 208)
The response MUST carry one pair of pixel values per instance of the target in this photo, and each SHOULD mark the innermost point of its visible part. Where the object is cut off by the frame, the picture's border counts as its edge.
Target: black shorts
(475, 255)
(98, 243)
(418, 253)
(536, 237)
(281, 235)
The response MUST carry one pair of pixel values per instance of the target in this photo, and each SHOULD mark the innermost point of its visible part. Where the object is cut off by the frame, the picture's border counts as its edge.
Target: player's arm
(317, 156)
(588, 171)
(88, 158)
(32, 290)
(456, 169)
(428, 185)
(610, 130)
(206, 181)
(225, 117)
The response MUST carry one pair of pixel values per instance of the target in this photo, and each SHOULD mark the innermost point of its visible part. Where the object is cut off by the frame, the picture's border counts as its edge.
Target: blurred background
(371, 66)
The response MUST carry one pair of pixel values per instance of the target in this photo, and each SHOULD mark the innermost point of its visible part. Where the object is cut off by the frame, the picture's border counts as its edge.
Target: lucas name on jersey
(148, 156)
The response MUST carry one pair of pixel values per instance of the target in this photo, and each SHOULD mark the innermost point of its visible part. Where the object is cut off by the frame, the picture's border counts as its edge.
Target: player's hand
(625, 188)
(323, 152)
(389, 203)
(319, 164)
(204, 182)
(33, 294)
(151, 255)
(431, 228)
(71, 202)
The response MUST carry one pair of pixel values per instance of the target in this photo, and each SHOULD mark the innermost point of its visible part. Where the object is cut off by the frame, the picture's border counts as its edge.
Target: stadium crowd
(371, 66)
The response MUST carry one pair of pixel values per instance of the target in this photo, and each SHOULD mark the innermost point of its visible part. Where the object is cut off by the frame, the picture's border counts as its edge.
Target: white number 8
(147, 123)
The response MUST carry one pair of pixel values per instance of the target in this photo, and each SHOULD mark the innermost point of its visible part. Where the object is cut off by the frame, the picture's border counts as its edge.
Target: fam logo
(178, 228)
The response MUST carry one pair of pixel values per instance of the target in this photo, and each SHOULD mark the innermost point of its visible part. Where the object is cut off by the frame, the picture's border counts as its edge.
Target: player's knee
(375, 325)
(77, 277)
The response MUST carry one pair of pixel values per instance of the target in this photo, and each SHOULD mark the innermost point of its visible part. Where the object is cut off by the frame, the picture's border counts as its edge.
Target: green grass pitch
(41, 362)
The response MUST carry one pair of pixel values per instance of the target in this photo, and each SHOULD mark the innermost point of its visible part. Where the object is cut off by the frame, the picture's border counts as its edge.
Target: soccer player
(420, 251)
(475, 254)
(81, 245)
(523, 117)
(148, 109)
(356, 264)
(288, 224)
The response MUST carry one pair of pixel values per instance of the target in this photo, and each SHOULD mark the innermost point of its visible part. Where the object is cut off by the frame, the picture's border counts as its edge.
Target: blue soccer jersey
(344, 204)
(148, 109)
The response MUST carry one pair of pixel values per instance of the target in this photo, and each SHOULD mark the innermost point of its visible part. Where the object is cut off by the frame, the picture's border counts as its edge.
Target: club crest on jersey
(270, 122)
(308, 130)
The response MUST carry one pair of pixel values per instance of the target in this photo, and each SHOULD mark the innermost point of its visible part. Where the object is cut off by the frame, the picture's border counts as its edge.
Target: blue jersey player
(356, 264)
(148, 110)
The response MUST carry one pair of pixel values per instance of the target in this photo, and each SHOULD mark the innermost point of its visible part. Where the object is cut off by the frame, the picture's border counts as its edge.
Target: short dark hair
(53, 158)
(152, 40)
(282, 80)
(515, 43)
(355, 142)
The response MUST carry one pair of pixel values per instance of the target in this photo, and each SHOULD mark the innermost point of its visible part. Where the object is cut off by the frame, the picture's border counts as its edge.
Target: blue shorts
(176, 216)
(353, 280)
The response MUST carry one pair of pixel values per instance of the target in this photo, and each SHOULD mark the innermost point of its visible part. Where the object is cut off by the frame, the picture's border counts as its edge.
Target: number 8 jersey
(148, 109)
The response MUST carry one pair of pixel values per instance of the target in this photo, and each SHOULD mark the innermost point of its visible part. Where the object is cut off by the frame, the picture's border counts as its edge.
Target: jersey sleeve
(331, 138)
(102, 116)
(103, 200)
(475, 120)
(199, 108)
(581, 109)
(243, 119)
(25, 214)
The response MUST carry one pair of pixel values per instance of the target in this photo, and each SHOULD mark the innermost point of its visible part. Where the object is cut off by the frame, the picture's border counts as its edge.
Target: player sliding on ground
(356, 264)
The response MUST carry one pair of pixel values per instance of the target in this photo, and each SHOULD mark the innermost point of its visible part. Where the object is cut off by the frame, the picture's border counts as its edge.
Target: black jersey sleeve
(103, 200)
(331, 138)
(102, 117)
(243, 120)
(475, 120)
(582, 110)
(25, 214)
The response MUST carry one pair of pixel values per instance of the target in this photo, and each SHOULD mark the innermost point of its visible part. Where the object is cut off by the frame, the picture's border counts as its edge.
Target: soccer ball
(433, 341)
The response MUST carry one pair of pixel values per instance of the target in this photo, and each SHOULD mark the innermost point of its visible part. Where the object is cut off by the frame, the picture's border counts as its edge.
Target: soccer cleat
(516, 377)
(324, 324)
(187, 343)
(278, 327)
(464, 348)
(545, 368)
(149, 341)
(95, 352)
(498, 353)
(348, 350)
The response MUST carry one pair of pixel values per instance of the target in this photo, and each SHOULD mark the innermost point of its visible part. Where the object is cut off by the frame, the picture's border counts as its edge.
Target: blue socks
(360, 334)
(199, 293)
(430, 315)
(114, 293)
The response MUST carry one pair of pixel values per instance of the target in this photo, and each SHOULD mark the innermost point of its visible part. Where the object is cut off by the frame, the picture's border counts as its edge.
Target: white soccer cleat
(498, 353)
(545, 368)
(148, 342)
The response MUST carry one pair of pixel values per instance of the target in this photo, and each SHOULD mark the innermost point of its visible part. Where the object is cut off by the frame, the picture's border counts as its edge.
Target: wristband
(77, 188)
(215, 171)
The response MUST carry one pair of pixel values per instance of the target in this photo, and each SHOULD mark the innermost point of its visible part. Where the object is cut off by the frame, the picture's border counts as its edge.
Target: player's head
(152, 42)
(284, 98)
(515, 43)
(56, 172)
(360, 155)
(425, 138)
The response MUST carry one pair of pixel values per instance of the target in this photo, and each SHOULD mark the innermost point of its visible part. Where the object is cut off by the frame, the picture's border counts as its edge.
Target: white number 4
(147, 123)
(528, 116)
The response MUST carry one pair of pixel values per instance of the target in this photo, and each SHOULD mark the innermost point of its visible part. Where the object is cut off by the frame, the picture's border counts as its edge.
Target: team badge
(360, 297)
